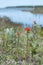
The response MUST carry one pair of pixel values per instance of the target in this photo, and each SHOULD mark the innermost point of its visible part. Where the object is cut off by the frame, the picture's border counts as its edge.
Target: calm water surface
(17, 15)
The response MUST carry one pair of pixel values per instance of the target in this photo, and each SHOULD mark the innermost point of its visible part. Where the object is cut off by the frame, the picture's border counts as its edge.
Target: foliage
(13, 52)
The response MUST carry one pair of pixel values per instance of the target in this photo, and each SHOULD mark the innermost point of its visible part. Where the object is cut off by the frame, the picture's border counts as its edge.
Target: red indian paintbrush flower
(27, 29)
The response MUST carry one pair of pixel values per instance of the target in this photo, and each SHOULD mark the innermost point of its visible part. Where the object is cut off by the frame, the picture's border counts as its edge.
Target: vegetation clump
(19, 46)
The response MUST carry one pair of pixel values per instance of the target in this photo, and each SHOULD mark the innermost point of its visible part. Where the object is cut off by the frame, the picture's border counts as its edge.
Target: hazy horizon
(5, 3)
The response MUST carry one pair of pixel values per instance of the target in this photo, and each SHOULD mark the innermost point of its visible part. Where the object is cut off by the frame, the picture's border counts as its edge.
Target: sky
(5, 3)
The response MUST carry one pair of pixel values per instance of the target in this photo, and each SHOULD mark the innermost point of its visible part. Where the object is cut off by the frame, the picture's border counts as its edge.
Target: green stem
(27, 55)
(27, 38)
(27, 42)
(18, 40)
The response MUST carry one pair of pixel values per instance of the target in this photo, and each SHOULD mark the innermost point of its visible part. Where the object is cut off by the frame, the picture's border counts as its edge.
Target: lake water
(16, 15)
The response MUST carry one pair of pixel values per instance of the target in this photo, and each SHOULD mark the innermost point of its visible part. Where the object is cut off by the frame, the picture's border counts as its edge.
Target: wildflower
(18, 33)
(27, 29)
